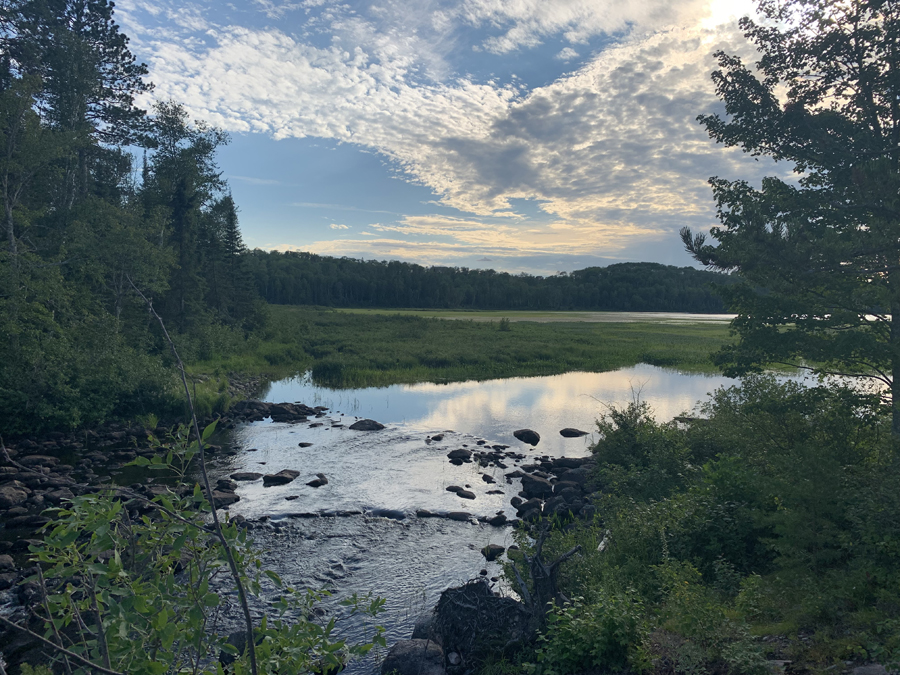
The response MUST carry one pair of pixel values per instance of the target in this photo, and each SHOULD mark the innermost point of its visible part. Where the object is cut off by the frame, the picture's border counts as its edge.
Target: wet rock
(224, 499)
(6, 563)
(424, 627)
(226, 485)
(569, 432)
(460, 454)
(562, 463)
(527, 436)
(291, 498)
(281, 478)
(498, 520)
(414, 657)
(461, 516)
(304, 444)
(425, 513)
(453, 488)
(366, 425)
(437, 438)
(492, 551)
(246, 475)
(7, 579)
(516, 502)
(56, 497)
(318, 481)
(465, 494)
(39, 460)
(487, 478)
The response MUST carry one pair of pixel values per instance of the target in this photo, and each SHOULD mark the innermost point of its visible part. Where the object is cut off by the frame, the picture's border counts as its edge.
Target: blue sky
(522, 135)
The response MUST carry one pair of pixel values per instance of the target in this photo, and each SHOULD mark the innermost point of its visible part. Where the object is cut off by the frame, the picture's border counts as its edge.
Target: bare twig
(46, 602)
(220, 535)
(70, 654)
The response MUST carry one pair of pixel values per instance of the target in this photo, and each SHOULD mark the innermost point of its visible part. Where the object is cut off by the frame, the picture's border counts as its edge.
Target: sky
(535, 136)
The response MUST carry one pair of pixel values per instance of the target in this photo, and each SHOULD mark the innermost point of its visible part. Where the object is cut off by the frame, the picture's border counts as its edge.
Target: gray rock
(424, 627)
(6, 563)
(57, 496)
(304, 444)
(569, 432)
(487, 478)
(870, 669)
(414, 657)
(246, 475)
(223, 499)
(498, 520)
(11, 496)
(534, 486)
(461, 516)
(527, 436)
(462, 453)
(366, 425)
(318, 481)
(281, 478)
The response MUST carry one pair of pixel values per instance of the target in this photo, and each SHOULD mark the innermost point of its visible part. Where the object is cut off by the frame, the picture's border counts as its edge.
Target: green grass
(356, 349)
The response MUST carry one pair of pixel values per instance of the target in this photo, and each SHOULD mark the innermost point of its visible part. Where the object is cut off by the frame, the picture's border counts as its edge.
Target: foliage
(608, 634)
(774, 512)
(817, 252)
(295, 278)
(144, 593)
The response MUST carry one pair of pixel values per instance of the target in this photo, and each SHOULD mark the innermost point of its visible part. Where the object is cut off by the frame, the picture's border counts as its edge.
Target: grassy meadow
(370, 348)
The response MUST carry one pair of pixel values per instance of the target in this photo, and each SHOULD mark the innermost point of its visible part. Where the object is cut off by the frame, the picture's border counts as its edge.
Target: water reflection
(493, 409)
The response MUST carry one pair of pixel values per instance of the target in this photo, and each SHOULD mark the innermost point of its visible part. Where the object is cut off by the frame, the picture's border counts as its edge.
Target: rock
(11, 496)
(57, 496)
(366, 425)
(437, 438)
(304, 444)
(6, 563)
(246, 475)
(424, 627)
(425, 513)
(516, 502)
(569, 432)
(498, 520)
(492, 551)
(871, 669)
(39, 460)
(226, 485)
(318, 481)
(281, 478)
(487, 478)
(7, 579)
(223, 499)
(580, 475)
(527, 436)
(291, 498)
(453, 488)
(462, 454)
(567, 463)
(465, 494)
(461, 516)
(534, 486)
(454, 659)
(414, 657)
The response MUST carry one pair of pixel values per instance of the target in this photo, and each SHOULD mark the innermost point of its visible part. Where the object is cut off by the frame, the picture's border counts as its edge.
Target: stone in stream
(461, 516)
(318, 481)
(527, 436)
(462, 455)
(487, 478)
(11, 496)
(281, 478)
(224, 498)
(246, 475)
(569, 432)
(366, 425)
(492, 551)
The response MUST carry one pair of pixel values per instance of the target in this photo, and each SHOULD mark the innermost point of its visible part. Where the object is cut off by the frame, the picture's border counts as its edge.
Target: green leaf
(209, 430)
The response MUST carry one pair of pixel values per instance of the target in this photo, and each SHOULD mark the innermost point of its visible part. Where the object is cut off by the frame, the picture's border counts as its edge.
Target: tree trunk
(895, 366)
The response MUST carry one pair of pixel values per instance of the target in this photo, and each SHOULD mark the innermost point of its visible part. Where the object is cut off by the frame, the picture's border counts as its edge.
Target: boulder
(498, 520)
(461, 516)
(224, 499)
(6, 563)
(527, 436)
(11, 496)
(465, 494)
(318, 481)
(246, 475)
(492, 551)
(304, 444)
(424, 627)
(366, 425)
(462, 453)
(569, 432)
(534, 486)
(55, 497)
(567, 463)
(226, 485)
(281, 478)
(39, 460)
(414, 657)
(487, 478)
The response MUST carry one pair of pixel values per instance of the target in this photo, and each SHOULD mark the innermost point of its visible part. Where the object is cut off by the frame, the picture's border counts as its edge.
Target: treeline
(308, 279)
(84, 223)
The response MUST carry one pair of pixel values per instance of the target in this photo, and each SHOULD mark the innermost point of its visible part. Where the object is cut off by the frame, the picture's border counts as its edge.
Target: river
(359, 532)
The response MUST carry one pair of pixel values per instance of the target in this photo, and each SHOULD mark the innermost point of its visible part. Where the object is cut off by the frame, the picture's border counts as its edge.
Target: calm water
(359, 533)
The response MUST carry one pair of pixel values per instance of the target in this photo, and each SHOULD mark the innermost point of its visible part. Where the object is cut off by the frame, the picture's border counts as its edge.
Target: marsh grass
(353, 349)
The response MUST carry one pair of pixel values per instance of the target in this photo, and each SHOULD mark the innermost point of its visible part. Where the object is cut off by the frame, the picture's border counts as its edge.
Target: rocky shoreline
(36, 474)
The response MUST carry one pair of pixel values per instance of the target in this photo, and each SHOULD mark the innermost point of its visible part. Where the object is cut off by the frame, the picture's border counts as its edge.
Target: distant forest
(308, 279)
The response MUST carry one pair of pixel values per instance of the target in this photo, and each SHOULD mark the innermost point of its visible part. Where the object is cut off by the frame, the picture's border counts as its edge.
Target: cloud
(610, 152)
(338, 226)
(567, 54)
(255, 181)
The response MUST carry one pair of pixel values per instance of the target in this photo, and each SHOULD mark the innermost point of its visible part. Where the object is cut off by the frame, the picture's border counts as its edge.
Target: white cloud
(567, 54)
(611, 152)
(339, 226)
